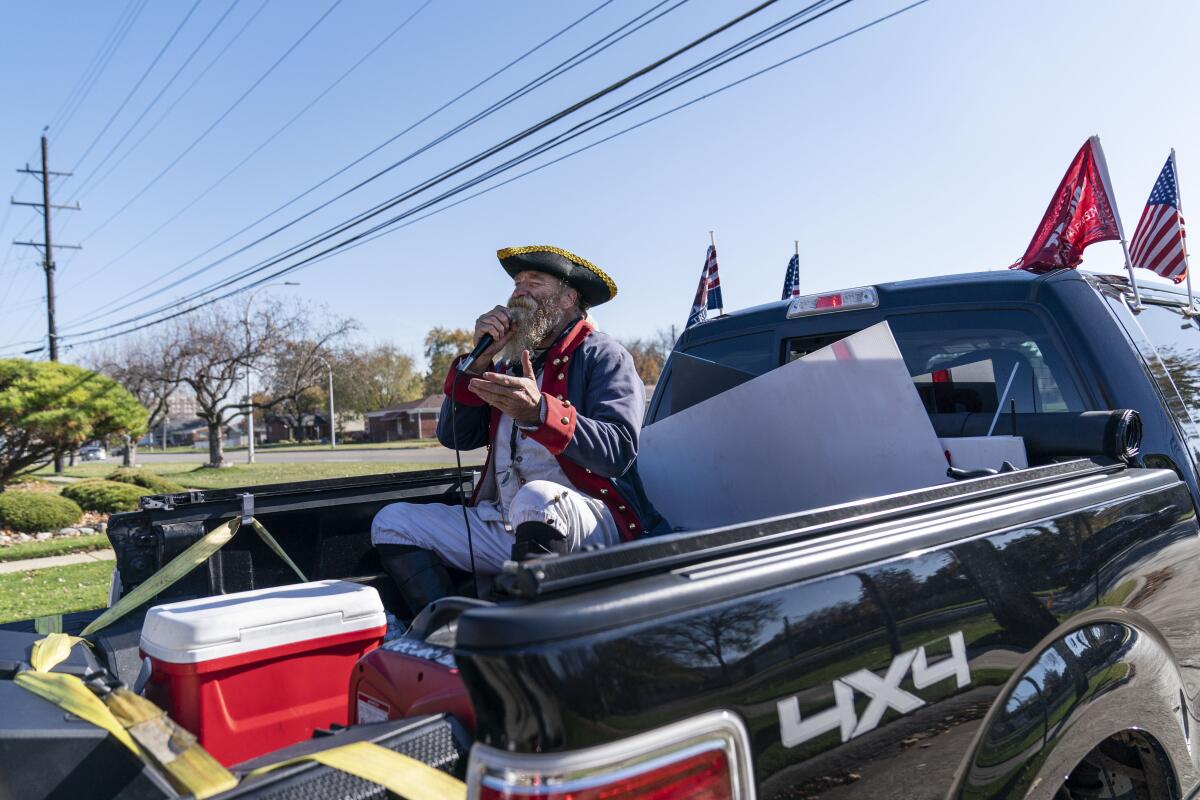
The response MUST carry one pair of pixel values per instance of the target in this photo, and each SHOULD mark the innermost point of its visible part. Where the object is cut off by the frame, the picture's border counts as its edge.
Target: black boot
(420, 575)
(537, 539)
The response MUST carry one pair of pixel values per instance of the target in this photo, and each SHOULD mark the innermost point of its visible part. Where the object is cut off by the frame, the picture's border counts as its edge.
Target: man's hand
(517, 396)
(498, 323)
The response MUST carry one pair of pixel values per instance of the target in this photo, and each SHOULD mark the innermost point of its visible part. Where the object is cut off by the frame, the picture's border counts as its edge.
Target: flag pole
(712, 239)
(797, 243)
(1112, 201)
(1179, 206)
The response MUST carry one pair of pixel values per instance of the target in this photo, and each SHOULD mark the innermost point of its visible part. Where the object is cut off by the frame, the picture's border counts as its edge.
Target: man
(560, 412)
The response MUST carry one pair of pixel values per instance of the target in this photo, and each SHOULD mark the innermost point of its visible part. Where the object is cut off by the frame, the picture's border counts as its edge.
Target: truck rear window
(960, 360)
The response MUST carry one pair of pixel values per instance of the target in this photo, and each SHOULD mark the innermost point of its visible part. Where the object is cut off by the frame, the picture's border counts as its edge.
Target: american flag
(791, 282)
(1158, 242)
(708, 293)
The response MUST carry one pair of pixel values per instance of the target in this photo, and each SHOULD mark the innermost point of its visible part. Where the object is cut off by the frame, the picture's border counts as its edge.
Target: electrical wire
(621, 132)
(387, 38)
(87, 71)
(670, 84)
(137, 85)
(693, 101)
(60, 126)
(170, 82)
(460, 188)
(200, 76)
(109, 310)
(214, 124)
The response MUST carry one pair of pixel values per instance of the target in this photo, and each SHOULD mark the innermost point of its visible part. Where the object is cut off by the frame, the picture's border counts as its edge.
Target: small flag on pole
(708, 293)
(791, 281)
(1081, 212)
(1158, 243)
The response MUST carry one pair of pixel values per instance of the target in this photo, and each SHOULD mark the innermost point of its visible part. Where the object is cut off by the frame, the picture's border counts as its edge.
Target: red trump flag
(1081, 212)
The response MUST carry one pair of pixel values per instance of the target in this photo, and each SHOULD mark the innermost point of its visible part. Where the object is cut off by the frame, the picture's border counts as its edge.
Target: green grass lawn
(196, 477)
(54, 547)
(57, 590)
(406, 444)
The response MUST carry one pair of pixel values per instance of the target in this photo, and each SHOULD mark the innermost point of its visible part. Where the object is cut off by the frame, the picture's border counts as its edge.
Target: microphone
(485, 342)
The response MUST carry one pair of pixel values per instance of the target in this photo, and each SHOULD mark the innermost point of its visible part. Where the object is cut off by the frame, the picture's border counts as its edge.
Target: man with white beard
(559, 406)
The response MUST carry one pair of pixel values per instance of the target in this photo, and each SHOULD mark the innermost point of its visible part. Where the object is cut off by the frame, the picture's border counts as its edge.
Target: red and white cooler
(250, 672)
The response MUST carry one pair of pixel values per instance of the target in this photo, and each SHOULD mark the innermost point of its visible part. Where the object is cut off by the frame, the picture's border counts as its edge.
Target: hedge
(32, 512)
(157, 484)
(104, 496)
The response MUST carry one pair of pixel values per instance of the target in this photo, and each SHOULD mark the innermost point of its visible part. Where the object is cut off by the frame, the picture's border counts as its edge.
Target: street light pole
(332, 424)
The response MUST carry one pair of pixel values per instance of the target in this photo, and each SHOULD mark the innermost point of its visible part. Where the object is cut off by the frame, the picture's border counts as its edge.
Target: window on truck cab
(960, 360)
(1175, 339)
(749, 352)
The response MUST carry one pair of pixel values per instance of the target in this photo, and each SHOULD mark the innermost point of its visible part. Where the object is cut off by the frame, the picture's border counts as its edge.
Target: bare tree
(143, 367)
(296, 361)
(212, 349)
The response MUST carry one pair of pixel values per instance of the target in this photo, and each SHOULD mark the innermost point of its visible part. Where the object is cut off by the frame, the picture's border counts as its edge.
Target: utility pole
(47, 251)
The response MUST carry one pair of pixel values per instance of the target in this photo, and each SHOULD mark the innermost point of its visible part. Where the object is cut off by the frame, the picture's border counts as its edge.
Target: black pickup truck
(1028, 633)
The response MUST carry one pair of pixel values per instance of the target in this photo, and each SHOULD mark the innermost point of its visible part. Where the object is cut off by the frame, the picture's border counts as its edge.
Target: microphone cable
(462, 496)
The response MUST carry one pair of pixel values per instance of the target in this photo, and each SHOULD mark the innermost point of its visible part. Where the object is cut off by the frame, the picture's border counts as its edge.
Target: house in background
(307, 427)
(416, 419)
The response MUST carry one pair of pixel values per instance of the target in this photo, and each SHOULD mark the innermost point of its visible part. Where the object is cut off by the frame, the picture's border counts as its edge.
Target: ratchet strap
(151, 735)
(134, 721)
(175, 569)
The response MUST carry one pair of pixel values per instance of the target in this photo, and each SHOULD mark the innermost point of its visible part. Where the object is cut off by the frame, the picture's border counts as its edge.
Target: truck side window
(1176, 339)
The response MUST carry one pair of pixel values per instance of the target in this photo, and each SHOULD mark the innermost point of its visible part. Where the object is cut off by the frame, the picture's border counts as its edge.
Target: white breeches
(440, 528)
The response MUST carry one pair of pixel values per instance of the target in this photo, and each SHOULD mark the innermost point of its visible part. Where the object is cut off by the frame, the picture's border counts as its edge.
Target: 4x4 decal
(885, 693)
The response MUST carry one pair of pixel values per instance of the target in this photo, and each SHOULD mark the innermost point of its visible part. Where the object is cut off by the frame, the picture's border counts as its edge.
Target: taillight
(845, 300)
(706, 757)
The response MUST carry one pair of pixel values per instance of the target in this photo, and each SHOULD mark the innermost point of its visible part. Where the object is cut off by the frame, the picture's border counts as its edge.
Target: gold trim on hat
(508, 252)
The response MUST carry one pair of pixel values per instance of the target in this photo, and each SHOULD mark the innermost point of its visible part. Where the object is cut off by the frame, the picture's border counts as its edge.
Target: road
(414, 455)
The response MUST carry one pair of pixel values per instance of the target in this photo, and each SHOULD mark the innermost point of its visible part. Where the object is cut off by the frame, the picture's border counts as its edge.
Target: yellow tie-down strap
(154, 737)
(175, 569)
(132, 720)
(399, 774)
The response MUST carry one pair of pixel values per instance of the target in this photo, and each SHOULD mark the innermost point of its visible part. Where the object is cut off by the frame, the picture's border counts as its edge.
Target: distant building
(307, 427)
(416, 419)
(182, 406)
(187, 433)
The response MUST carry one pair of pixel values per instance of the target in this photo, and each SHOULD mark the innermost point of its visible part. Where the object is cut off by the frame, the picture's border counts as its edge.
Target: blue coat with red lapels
(594, 406)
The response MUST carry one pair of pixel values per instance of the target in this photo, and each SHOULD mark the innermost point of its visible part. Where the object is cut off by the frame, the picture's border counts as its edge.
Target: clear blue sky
(927, 145)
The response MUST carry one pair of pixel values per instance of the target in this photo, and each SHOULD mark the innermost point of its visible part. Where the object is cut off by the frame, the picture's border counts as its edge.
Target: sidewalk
(55, 561)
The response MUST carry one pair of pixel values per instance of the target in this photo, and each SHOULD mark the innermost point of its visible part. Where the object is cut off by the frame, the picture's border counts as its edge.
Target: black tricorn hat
(592, 283)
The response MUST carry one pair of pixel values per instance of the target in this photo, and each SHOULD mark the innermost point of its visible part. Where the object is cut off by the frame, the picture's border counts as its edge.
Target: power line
(170, 82)
(105, 59)
(91, 66)
(445, 175)
(215, 123)
(150, 68)
(343, 246)
(110, 310)
(262, 145)
(200, 76)
(610, 113)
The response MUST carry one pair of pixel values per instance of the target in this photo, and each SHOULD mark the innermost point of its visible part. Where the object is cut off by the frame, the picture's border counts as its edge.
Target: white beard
(532, 323)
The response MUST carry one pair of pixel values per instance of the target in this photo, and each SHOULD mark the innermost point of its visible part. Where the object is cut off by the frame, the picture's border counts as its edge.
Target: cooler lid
(197, 630)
